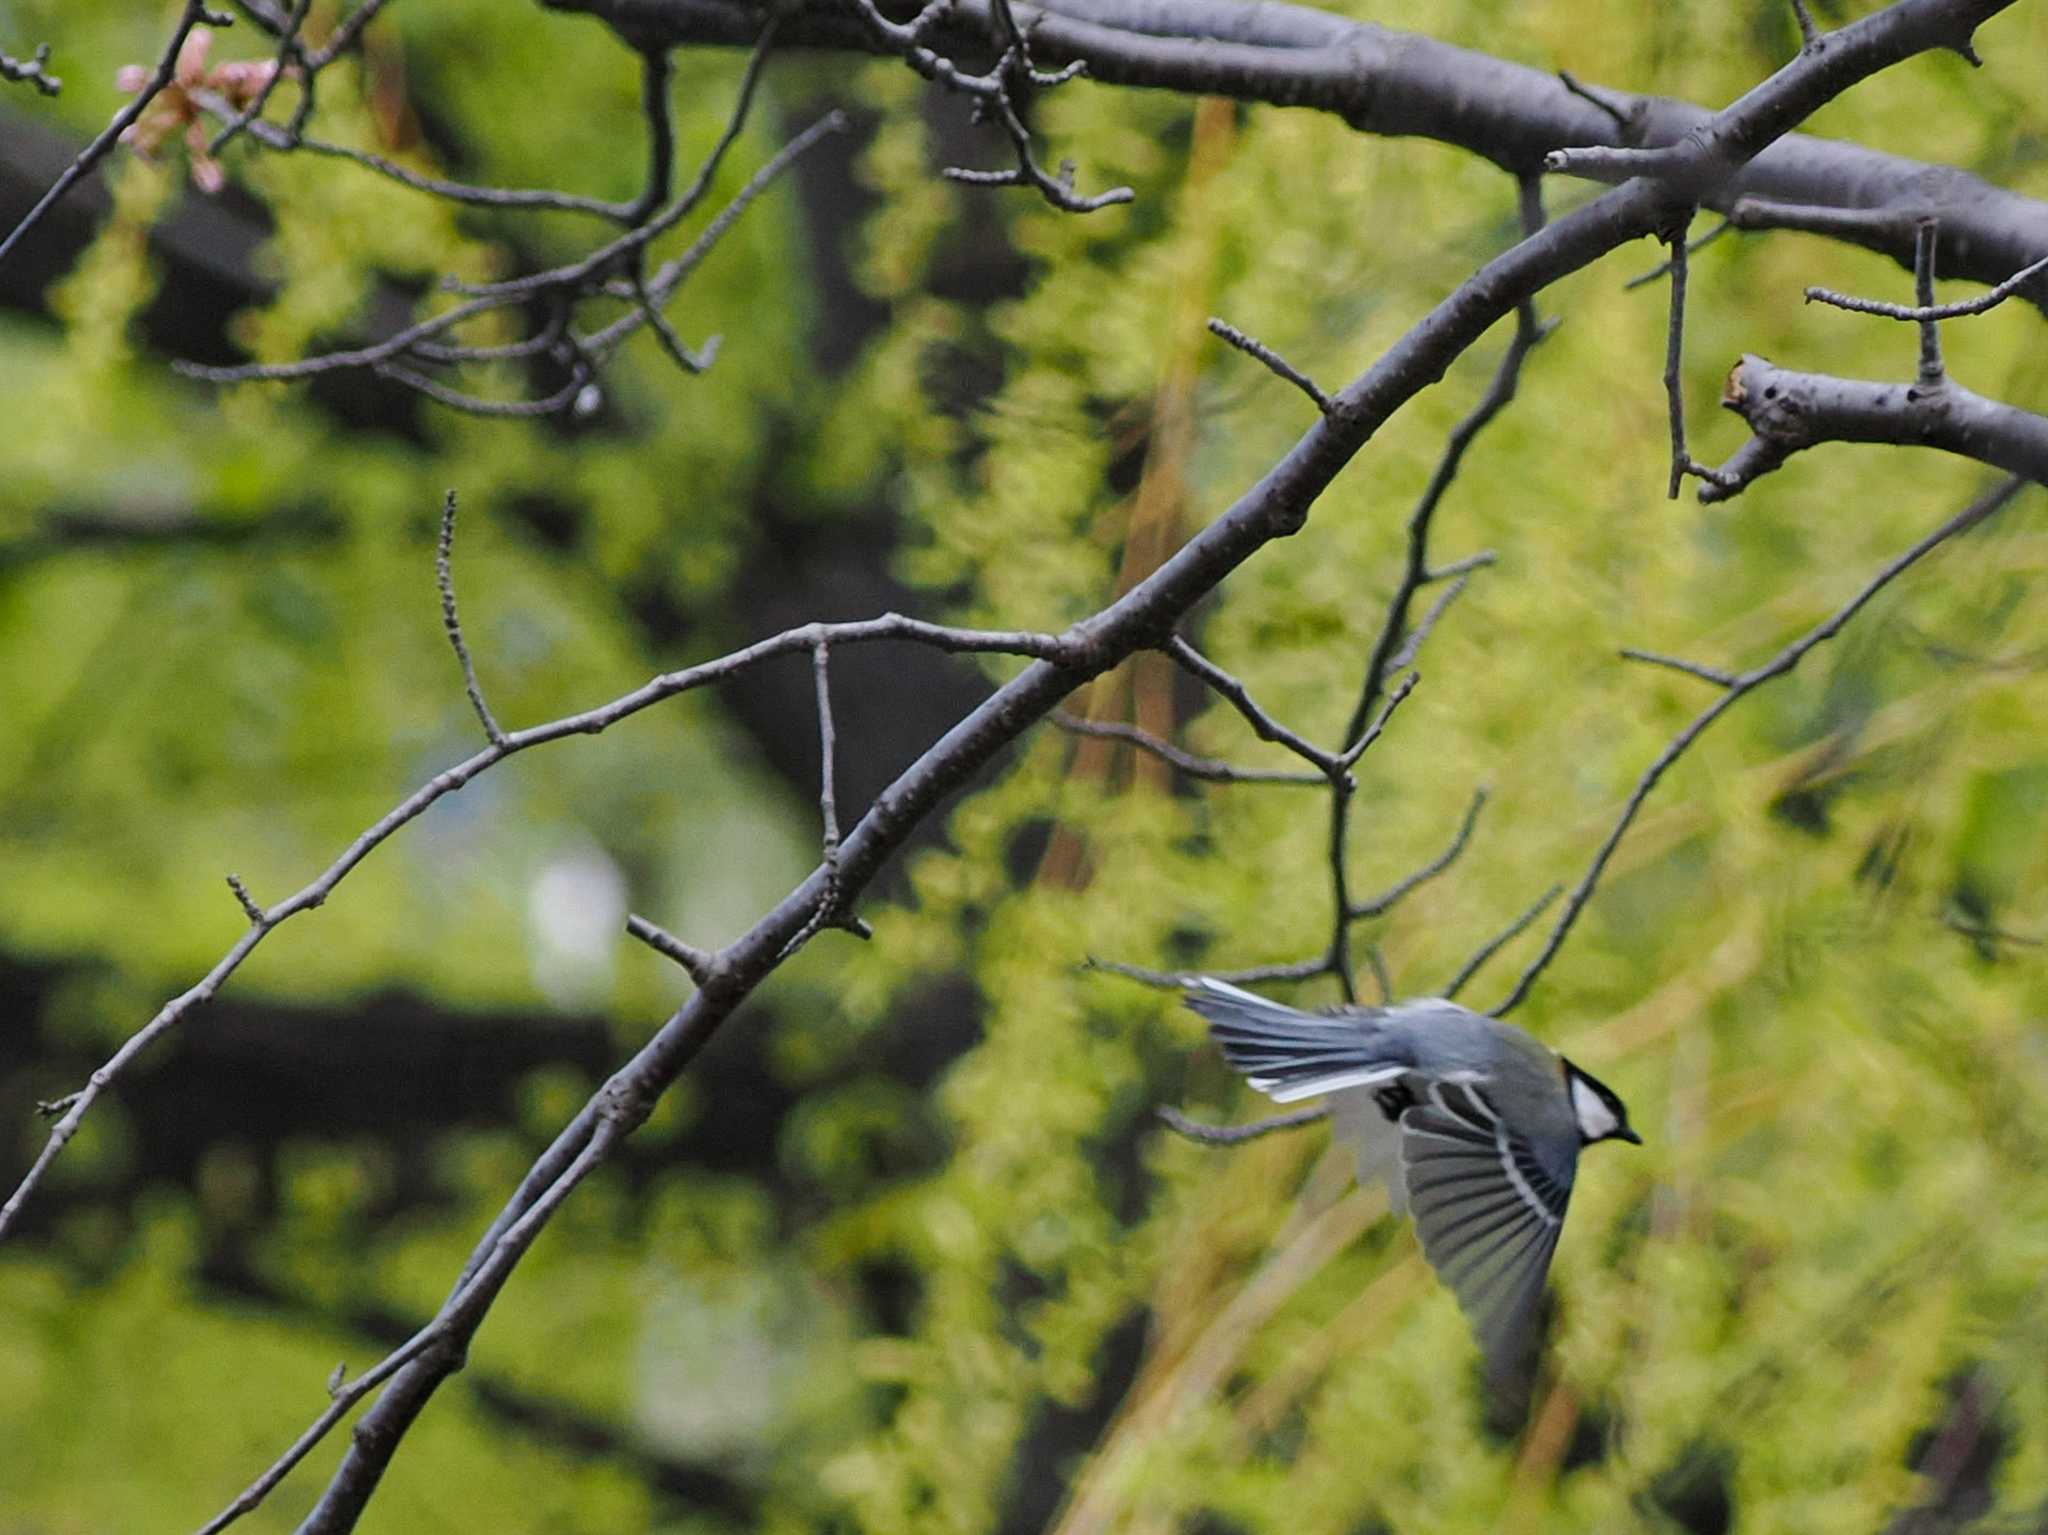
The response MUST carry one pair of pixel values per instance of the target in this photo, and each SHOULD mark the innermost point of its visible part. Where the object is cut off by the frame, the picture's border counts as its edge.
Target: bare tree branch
(1530, 331)
(1739, 688)
(1419, 635)
(890, 627)
(404, 355)
(1932, 371)
(1396, 646)
(1682, 462)
(1627, 117)
(1789, 412)
(1382, 81)
(995, 94)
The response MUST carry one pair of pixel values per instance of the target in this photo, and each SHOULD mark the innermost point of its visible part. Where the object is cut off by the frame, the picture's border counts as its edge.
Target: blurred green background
(909, 1251)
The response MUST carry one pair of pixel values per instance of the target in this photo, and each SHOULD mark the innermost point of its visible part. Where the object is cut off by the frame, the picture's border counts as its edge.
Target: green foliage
(1839, 1212)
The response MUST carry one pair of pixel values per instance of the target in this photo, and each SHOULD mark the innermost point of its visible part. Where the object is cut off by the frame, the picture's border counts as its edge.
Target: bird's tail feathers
(1288, 1054)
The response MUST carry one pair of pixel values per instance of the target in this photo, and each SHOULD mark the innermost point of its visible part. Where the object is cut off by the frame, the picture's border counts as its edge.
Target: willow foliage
(1839, 1223)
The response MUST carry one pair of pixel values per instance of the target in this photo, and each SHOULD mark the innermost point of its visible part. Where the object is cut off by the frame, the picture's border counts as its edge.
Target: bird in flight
(1475, 1126)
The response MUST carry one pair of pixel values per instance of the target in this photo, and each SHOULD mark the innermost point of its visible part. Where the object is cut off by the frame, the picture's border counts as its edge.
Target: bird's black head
(1600, 1114)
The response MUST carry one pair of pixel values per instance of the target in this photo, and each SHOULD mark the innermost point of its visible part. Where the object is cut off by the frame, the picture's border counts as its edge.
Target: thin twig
(1530, 332)
(437, 186)
(1390, 897)
(1394, 701)
(287, 46)
(1279, 366)
(1713, 674)
(657, 69)
(689, 359)
(1585, 92)
(1463, 566)
(1395, 647)
(1693, 247)
(1014, 69)
(1956, 311)
(250, 908)
(1809, 34)
(343, 37)
(1500, 940)
(1268, 728)
(34, 72)
(563, 400)
(574, 278)
(1674, 351)
(1987, 934)
(1745, 684)
(698, 964)
(1250, 975)
(1206, 768)
(1931, 369)
(1419, 635)
(743, 103)
(444, 575)
(1378, 963)
(663, 284)
(1237, 1135)
(828, 797)
(343, 1398)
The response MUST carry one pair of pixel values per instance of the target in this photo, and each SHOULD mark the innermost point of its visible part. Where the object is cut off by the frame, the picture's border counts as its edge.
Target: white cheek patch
(1596, 1119)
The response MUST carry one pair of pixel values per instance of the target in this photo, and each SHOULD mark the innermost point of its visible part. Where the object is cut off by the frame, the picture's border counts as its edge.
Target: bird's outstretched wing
(1487, 1209)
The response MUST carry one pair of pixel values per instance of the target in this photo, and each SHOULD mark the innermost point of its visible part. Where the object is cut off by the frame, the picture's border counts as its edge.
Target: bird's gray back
(1443, 1040)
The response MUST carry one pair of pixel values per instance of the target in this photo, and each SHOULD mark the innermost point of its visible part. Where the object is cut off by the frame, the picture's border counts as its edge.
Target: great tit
(1475, 1126)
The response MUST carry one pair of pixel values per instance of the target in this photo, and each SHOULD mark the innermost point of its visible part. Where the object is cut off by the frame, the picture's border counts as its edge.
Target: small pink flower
(177, 108)
(191, 66)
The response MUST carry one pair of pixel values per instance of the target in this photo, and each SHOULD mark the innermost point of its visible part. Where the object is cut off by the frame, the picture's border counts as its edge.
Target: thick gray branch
(1404, 85)
(1789, 411)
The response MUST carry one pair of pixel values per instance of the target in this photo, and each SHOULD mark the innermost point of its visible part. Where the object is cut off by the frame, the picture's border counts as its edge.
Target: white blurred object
(575, 913)
(735, 1365)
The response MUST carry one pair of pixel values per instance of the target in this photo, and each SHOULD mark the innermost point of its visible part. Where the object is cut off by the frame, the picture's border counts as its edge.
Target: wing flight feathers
(1486, 1210)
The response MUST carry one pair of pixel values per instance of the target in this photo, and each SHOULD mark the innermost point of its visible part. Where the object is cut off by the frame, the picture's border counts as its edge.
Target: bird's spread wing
(1487, 1209)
